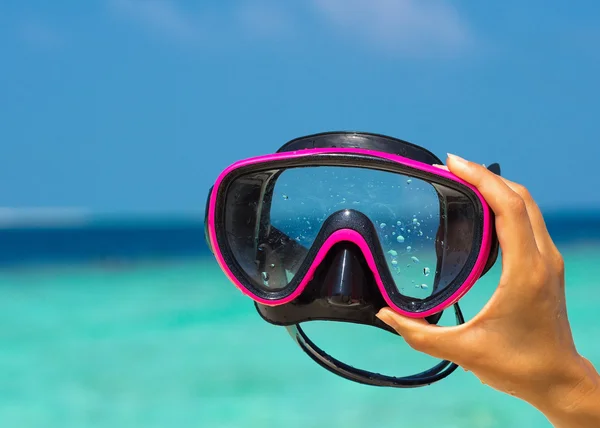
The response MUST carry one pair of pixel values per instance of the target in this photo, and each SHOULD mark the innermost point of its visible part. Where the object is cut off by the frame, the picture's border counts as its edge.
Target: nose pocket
(343, 288)
(345, 276)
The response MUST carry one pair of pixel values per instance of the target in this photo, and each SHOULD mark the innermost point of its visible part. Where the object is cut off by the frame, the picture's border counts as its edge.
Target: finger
(513, 226)
(439, 342)
(540, 231)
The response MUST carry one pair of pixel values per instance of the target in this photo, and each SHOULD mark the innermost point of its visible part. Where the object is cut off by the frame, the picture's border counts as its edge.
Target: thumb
(439, 342)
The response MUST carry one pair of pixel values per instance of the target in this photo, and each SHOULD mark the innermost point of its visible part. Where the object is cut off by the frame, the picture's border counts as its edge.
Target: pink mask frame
(347, 235)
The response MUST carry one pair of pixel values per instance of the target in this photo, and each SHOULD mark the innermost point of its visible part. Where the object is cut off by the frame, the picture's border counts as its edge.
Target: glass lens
(426, 230)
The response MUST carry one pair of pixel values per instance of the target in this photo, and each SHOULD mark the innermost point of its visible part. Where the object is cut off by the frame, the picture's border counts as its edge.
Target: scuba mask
(336, 226)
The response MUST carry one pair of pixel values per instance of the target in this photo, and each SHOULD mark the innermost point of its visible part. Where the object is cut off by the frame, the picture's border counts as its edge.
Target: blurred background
(117, 115)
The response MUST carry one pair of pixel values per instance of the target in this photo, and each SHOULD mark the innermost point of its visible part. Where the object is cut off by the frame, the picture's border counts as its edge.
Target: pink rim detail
(350, 235)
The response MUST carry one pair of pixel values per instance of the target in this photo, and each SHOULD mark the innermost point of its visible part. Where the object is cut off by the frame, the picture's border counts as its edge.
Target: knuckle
(417, 341)
(517, 205)
(559, 263)
(522, 191)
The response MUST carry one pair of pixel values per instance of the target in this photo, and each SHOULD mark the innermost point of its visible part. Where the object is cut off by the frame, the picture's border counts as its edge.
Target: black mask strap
(435, 374)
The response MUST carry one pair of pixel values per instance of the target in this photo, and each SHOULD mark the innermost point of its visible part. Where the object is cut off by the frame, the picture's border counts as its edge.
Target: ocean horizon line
(164, 237)
(36, 218)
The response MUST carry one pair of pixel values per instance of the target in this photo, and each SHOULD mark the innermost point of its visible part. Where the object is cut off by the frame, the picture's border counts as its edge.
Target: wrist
(573, 399)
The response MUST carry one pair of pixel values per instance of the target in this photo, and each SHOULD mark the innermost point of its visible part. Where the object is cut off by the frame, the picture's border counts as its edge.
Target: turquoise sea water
(170, 343)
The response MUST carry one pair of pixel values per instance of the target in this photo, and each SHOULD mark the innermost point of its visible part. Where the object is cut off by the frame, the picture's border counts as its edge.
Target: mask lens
(425, 229)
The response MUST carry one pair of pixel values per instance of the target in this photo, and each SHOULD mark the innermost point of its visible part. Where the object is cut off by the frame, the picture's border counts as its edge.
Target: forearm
(575, 404)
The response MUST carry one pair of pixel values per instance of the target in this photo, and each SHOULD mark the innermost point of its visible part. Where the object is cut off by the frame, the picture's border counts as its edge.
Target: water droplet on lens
(286, 197)
(408, 181)
(393, 253)
(394, 262)
(415, 221)
(426, 271)
(265, 276)
(382, 225)
(408, 248)
(424, 286)
(400, 239)
(399, 223)
(272, 265)
(414, 259)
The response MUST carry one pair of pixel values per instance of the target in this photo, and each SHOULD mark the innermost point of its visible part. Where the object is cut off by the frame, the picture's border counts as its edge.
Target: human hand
(521, 342)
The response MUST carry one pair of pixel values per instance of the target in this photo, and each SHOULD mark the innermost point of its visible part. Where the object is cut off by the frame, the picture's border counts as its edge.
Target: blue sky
(130, 106)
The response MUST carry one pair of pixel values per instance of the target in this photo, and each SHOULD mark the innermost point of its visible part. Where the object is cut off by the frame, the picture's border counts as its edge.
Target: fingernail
(383, 317)
(440, 166)
(459, 161)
